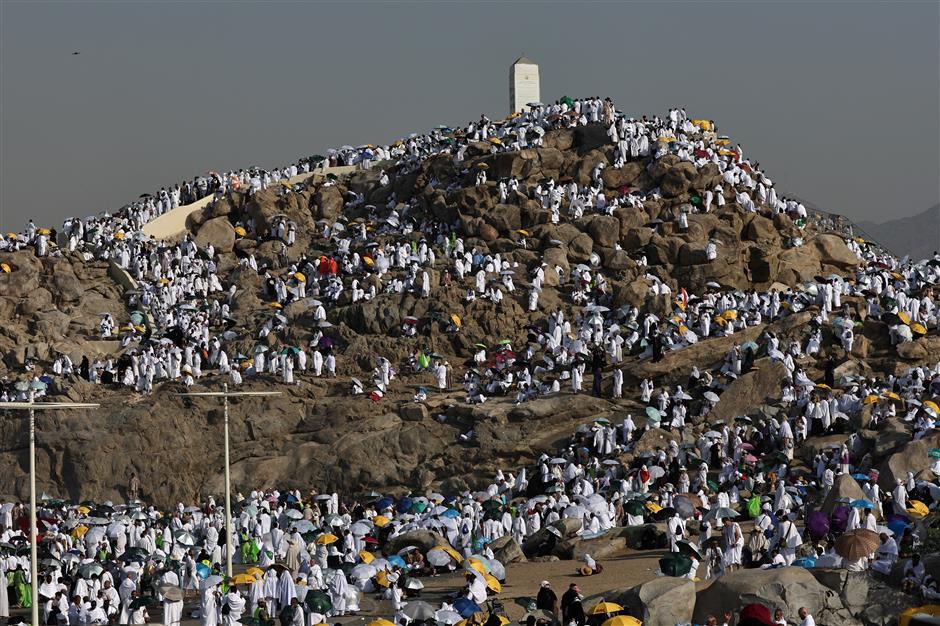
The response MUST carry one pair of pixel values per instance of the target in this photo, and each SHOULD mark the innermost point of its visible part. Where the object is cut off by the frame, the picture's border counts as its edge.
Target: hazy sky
(838, 101)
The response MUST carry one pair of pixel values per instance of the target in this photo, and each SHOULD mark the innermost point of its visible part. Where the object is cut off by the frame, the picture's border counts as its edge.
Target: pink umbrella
(751, 458)
(746, 446)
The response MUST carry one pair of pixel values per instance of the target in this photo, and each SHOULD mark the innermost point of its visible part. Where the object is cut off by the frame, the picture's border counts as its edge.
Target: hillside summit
(593, 308)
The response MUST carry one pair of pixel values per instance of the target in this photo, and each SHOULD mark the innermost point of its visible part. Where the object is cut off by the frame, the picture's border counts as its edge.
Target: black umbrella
(675, 564)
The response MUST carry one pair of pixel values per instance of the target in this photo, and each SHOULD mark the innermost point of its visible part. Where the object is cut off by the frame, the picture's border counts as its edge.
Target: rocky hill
(318, 435)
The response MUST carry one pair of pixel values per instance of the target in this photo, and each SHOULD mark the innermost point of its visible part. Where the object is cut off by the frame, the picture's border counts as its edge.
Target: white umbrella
(360, 529)
(439, 558)
(447, 617)
(711, 396)
(575, 511)
(363, 571)
(184, 538)
(293, 514)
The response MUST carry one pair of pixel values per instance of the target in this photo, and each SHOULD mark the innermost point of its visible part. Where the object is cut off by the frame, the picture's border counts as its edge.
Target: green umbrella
(635, 507)
(934, 453)
(675, 564)
(318, 602)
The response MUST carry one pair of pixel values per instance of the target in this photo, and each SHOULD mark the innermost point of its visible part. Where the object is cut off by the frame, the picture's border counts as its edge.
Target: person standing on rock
(734, 542)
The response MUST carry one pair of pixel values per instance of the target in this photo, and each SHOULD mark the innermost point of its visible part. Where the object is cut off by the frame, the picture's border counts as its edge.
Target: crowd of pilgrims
(312, 556)
(182, 328)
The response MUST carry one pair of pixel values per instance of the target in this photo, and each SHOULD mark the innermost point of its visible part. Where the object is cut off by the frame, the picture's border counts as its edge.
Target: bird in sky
(74, 53)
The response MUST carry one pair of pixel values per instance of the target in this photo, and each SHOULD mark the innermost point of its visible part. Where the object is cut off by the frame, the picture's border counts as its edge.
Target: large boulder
(328, 202)
(833, 251)
(912, 457)
(749, 391)
(665, 601)
(604, 230)
(506, 550)
(844, 487)
(423, 539)
(787, 588)
(219, 232)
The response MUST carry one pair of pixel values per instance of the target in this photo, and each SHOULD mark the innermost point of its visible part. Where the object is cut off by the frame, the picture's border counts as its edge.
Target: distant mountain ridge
(917, 235)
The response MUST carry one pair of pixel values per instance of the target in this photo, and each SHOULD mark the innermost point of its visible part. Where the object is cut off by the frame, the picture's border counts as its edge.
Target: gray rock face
(663, 601)
(788, 588)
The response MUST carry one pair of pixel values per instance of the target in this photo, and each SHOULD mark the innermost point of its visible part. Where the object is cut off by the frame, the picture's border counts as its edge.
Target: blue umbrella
(897, 526)
(451, 513)
(384, 503)
(861, 477)
(202, 571)
(397, 560)
(807, 562)
(863, 504)
(749, 344)
(404, 505)
(653, 414)
(466, 607)
(449, 500)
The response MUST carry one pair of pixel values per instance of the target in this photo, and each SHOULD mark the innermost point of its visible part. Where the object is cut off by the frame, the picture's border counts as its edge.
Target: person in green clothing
(24, 593)
(249, 549)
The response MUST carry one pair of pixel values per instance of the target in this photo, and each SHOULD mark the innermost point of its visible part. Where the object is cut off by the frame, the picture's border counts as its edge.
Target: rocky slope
(317, 436)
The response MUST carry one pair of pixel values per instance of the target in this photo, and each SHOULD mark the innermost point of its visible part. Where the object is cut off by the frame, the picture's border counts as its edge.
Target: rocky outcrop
(789, 588)
(665, 601)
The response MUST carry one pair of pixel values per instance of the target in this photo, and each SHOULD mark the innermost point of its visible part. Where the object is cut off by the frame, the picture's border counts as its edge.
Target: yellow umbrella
(523, 232)
(366, 556)
(380, 521)
(11, 235)
(604, 608)
(257, 572)
(285, 184)
(652, 507)
(381, 622)
(730, 314)
(240, 231)
(476, 564)
(891, 394)
(243, 579)
(164, 281)
(623, 620)
(496, 141)
(823, 386)
(299, 276)
(44, 231)
(275, 305)
(140, 328)
(119, 235)
(381, 579)
(930, 404)
(905, 317)
(503, 620)
(455, 319)
(870, 399)
(918, 329)
(482, 166)
(327, 539)
(453, 553)
(896, 276)
(6, 268)
(703, 124)
(79, 531)
(368, 261)
(492, 584)
(917, 508)
(84, 510)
